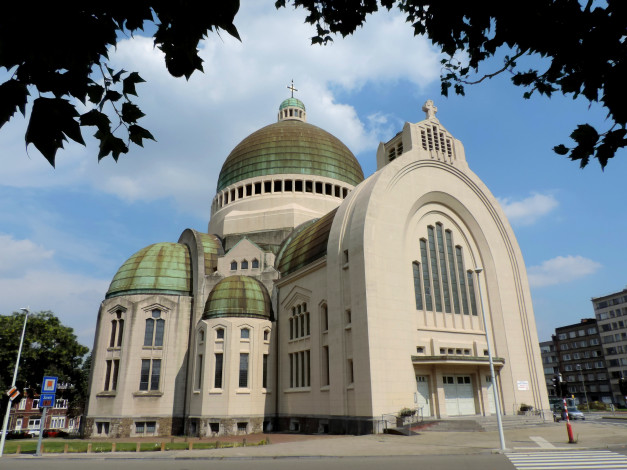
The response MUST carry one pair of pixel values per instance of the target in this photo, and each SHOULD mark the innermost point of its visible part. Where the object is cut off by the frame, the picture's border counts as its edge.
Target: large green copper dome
(292, 102)
(290, 146)
(159, 268)
(238, 296)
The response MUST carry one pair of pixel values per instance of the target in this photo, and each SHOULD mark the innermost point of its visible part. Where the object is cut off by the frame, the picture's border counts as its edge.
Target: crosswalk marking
(571, 460)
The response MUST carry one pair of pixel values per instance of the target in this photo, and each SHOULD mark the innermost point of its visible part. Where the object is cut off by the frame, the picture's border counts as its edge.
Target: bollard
(244, 442)
(65, 448)
(138, 448)
(89, 447)
(217, 444)
(191, 445)
(112, 447)
(19, 449)
(162, 446)
(569, 429)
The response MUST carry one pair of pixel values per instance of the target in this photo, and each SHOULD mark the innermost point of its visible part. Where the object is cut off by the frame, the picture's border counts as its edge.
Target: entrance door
(18, 424)
(458, 395)
(422, 383)
(490, 388)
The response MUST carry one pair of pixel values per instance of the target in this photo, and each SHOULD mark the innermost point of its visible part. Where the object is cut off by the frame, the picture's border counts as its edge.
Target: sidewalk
(544, 437)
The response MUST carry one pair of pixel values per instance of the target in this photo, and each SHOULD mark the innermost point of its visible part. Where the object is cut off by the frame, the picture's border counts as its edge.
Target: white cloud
(527, 211)
(75, 299)
(16, 256)
(560, 270)
(198, 122)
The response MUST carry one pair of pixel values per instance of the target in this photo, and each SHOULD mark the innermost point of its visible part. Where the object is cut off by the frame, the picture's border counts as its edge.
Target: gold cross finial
(291, 88)
(430, 109)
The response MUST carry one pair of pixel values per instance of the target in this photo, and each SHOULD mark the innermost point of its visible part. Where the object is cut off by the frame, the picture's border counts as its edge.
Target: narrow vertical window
(325, 318)
(302, 368)
(451, 269)
(264, 372)
(199, 372)
(291, 327)
(114, 375)
(144, 374)
(425, 274)
(155, 375)
(255, 263)
(443, 270)
(471, 291)
(120, 332)
(302, 326)
(462, 279)
(417, 285)
(159, 332)
(325, 365)
(307, 323)
(433, 259)
(243, 370)
(107, 377)
(114, 326)
(307, 368)
(217, 380)
(150, 328)
(291, 371)
(351, 374)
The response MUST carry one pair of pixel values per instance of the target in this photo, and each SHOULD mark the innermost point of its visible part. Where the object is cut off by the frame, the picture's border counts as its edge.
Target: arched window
(220, 333)
(117, 330)
(233, 265)
(245, 333)
(155, 328)
(201, 336)
(255, 264)
(244, 264)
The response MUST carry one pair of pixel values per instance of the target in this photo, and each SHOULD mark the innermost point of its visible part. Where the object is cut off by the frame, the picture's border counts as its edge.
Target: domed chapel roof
(290, 146)
(162, 267)
(238, 296)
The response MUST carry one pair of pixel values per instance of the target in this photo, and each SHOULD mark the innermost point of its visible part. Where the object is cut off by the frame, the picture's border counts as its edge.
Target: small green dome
(290, 147)
(159, 268)
(308, 245)
(294, 102)
(238, 296)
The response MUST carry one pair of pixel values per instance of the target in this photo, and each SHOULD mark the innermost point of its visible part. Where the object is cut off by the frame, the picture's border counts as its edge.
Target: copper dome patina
(238, 296)
(290, 146)
(160, 268)
(292, 102)
(307, 246)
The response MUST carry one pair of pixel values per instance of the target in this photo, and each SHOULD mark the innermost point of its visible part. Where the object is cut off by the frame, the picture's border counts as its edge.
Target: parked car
(18, 435)
(573, 413)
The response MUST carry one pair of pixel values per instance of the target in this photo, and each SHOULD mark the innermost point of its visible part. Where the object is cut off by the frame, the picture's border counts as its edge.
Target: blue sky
(64, 232)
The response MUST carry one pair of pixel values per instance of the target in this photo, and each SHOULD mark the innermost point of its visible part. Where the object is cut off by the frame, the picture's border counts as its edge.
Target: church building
(319, 300)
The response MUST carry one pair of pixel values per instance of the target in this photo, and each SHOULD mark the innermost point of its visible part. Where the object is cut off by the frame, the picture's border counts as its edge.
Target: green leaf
(561, 149)
(95, 118)
(13, 96)
(131, 113)
(110, 144)
(112, 96)
(128, 84)
(136, 134)
(95, 93)
(51, 120)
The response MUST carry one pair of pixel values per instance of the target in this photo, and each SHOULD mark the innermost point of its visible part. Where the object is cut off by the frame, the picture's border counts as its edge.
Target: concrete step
(477, 423)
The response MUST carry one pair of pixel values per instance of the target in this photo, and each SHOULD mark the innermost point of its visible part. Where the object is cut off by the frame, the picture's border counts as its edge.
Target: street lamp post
(497, 405)
(17, 363)
(583, 383)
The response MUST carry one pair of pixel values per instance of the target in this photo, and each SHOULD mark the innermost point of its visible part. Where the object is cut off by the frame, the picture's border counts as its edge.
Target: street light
(17, 363)
(497, 405)
(583, 383)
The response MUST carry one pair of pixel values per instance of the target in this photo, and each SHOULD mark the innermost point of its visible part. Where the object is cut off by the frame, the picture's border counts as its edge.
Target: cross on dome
(430, 109)
(291, 88)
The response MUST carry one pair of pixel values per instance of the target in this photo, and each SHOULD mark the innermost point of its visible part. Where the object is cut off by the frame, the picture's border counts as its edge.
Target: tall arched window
(255, 264)
(444, 271)
(117, 330)
(155, 328)
(244, 264)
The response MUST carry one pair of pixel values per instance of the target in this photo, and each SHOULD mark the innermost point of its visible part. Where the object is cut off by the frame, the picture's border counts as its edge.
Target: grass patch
(176, 445)
(204, 445)
(101, 447)
(77, 446)
(149, 446)
(126, 447)
(54, 447)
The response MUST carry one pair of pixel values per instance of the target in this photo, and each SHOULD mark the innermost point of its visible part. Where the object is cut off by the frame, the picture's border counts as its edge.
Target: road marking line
(542, 442)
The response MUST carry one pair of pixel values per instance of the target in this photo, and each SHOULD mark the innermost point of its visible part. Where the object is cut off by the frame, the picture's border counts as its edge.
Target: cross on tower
(291, 87)
(430, 109)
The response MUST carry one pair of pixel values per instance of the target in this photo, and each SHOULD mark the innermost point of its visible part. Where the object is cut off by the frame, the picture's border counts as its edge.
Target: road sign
(46, 400)
(13, 392)
(49, 385)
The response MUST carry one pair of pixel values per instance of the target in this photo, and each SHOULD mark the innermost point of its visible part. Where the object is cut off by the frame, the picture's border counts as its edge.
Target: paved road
(457, 462)
(597, 460)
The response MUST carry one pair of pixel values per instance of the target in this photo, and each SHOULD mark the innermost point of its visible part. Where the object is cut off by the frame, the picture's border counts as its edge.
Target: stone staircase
(469, 424)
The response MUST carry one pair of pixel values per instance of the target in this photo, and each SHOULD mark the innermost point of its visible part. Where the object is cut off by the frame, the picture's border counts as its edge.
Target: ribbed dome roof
(290, 147)
(238, 296)
(295, 102)
(307, 246)
(159, 268)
